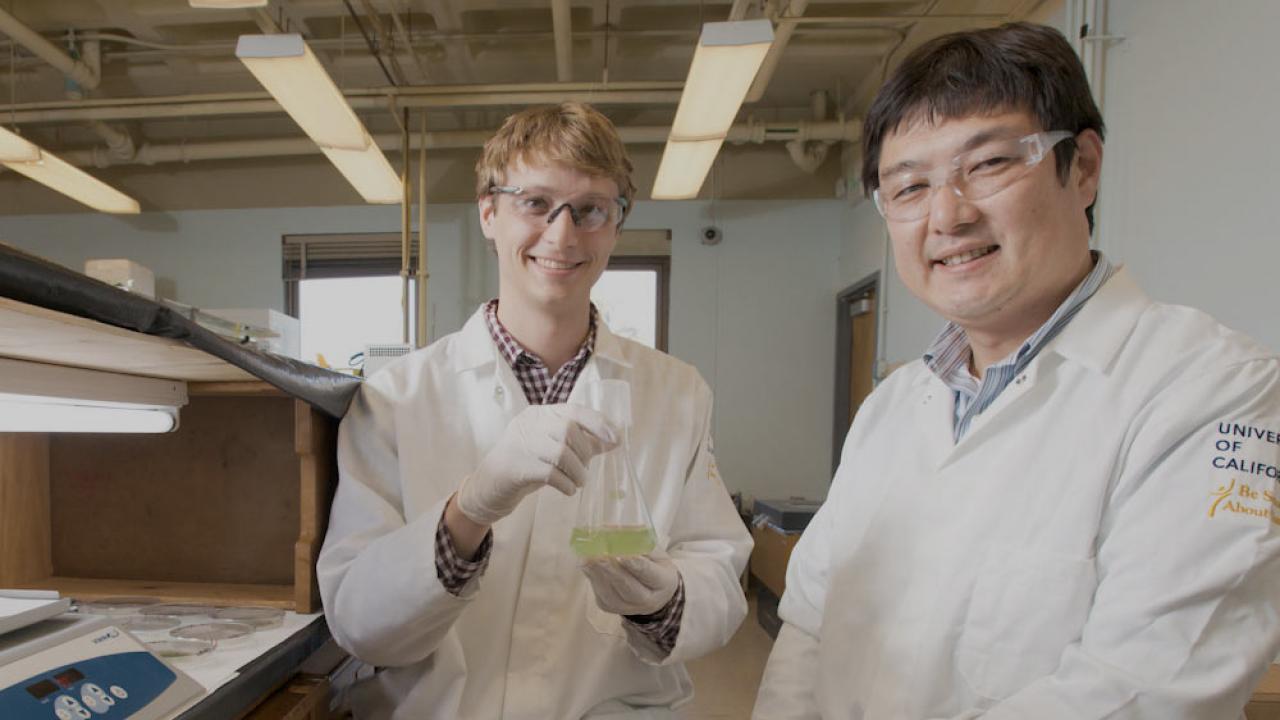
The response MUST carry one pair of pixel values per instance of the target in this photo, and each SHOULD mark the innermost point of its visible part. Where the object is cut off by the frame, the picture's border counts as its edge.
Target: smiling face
(547, 269)
(999, 266)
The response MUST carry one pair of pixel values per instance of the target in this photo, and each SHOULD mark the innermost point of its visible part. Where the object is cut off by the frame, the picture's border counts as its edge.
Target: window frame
(662, 265)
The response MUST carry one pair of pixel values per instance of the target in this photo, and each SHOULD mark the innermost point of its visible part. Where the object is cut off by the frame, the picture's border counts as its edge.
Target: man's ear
(1088, 165)
(487, 210)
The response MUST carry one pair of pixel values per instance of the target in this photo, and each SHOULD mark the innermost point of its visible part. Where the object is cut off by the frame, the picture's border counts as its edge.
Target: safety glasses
(973, 175)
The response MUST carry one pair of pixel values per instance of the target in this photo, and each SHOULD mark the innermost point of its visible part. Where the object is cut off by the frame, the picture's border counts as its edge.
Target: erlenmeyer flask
(613, 519)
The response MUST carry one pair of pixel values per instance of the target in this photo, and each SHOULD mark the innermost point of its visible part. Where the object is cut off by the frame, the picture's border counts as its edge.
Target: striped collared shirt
(949, 354)
(542, 388)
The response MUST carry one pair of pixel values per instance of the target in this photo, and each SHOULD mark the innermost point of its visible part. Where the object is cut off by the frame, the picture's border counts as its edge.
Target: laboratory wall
(1189, 178)
(1187, 190)
(753, 313)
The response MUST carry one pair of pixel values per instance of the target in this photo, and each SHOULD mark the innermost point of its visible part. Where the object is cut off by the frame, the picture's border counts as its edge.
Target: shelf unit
(229, 509)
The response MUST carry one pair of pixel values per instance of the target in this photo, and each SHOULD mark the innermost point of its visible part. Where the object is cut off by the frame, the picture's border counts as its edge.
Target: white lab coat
(526, 640)
(1061, 561)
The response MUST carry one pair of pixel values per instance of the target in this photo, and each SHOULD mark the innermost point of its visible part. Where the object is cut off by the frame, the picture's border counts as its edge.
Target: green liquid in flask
(612, 541)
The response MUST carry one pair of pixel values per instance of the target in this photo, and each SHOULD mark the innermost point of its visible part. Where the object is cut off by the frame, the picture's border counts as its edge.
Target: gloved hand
(543, 445)
(634, 585)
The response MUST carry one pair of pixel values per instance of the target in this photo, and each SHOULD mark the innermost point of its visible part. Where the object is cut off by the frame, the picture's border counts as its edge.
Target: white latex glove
(634, 585)
(543, 445)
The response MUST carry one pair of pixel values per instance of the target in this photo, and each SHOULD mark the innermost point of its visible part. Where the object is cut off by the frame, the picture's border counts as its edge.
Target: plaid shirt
(541, 388)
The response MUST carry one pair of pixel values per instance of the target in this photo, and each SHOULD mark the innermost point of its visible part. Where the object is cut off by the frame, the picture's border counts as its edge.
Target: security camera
(711, 235)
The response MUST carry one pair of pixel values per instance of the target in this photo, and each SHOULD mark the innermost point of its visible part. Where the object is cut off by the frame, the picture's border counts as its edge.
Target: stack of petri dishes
(178, 631)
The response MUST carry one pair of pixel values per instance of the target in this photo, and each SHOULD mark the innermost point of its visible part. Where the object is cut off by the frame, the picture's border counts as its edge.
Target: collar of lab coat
(1098, 332)
(477, 348)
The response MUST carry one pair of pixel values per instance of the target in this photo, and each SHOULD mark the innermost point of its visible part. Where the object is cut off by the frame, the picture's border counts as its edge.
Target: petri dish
(218, 631)
(178, 609)
(148, 623)
(180, 648)
(116, 605)
(261, 618)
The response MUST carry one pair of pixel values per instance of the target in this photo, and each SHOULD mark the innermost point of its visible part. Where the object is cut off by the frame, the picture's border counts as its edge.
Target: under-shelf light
(36, 397)
(724, 64)
(23, 156)
(288, 69)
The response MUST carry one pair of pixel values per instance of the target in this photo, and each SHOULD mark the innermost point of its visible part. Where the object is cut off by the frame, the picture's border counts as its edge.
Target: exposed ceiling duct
(164, 85)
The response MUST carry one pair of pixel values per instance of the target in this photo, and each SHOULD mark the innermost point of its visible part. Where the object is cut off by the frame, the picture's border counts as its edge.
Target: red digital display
(69, 677)
(42, 689)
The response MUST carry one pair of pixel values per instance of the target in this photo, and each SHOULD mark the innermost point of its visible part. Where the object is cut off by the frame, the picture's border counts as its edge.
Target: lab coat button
(497, 391)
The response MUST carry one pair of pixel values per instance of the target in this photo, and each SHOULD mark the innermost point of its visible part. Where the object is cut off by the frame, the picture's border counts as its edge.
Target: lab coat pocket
(1026, 607)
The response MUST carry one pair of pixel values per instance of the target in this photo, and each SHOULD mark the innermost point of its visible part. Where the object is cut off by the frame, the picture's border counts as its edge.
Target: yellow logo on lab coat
(1244, 500)
(1222, 493)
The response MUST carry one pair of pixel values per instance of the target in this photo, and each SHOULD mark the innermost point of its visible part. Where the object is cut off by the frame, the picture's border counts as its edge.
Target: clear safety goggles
(589, 213)
(972, 175)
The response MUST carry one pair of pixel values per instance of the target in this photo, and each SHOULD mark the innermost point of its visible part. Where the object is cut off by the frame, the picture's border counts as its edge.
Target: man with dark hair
(1067, 508)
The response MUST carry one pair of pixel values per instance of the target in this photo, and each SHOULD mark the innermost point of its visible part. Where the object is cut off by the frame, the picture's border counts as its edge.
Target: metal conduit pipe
(781, 36)
(84, 75)
(403, 34)
(152, 154)
(176, 106)
(496, 89)
(560, 23)
(422, 274)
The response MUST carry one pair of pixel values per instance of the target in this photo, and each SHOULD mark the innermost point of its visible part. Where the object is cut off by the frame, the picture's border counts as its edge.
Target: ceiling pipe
(738, 11)
(562, 27)
(120, 144)
(119, 140)
(152, 154)
(265, 22)
(781, 36)
(808, 155)
(403, 33)
(85, 76)
(262, 103)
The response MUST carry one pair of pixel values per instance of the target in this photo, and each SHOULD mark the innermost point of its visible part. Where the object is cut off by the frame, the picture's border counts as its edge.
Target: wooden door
(862, 351)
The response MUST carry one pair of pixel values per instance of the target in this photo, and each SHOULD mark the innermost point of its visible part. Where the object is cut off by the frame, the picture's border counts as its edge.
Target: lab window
(339, 316)
(631, 296)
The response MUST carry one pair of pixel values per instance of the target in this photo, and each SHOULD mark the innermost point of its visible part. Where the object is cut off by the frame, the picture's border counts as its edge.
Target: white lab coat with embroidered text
(1102, 543)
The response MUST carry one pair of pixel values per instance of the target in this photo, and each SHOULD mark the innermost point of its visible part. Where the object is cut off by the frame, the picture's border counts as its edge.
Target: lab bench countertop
(259, 677)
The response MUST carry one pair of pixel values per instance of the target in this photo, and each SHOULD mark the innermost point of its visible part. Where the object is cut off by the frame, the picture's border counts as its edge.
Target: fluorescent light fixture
(20, 416)
(684, 166)
(35, 397)
(226, 4)
(15, 148)
(288, 69)
(22, 156)
(377, 182)
(726, 61)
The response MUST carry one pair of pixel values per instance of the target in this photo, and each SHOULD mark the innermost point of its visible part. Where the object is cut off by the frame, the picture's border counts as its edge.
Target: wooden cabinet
(302, 698)
(231, 508)
(770, 556)
(1265, 703)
